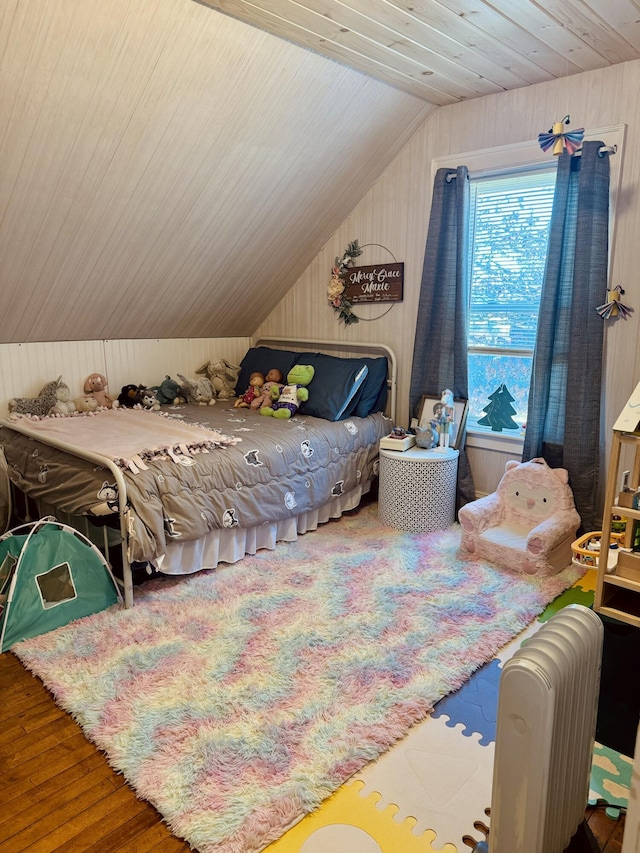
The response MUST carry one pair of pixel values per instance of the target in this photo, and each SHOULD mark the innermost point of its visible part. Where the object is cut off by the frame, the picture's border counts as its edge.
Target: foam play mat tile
(475, 705)
(588, 581)
(352, 821)
(574, 595)
(439, 775)
(610, 779)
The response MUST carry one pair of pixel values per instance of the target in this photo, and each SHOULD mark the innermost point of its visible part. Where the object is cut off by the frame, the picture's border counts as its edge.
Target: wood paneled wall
(395, 213)
(25, 368)
(168, 170)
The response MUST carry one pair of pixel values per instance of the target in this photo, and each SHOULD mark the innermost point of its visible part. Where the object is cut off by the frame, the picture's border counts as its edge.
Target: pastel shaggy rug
(236, 700)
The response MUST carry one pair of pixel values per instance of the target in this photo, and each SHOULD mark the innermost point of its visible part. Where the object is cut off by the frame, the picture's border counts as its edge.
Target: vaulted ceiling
(450, 50)
(170, 171)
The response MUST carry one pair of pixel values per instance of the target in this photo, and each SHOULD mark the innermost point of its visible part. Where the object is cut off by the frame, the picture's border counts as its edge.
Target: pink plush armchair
(529, 522)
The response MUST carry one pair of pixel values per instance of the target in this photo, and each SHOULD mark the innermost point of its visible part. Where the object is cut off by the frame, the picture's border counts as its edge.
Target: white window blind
(509, 235)
(510, 218)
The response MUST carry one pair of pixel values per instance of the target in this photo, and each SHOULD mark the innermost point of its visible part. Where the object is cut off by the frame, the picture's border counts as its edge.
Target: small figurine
(398, 432)
(444, 413)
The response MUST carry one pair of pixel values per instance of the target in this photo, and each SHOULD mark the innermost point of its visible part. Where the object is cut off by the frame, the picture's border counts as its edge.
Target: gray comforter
(279, 469)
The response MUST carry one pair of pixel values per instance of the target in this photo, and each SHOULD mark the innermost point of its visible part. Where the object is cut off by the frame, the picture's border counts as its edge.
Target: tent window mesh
(56, 586)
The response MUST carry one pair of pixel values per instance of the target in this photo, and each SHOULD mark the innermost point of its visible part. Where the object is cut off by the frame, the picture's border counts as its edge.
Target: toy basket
(586, 549)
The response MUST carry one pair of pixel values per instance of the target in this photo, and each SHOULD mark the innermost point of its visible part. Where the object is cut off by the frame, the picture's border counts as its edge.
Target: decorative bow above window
(560, 140)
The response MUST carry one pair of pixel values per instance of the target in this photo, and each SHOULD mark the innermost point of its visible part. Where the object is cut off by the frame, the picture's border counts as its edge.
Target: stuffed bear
(128, 396)
(256, 381)
(527, 524)
(287, 401)
(200, 392)
(53, 399)
(96, 385)
(222, 375)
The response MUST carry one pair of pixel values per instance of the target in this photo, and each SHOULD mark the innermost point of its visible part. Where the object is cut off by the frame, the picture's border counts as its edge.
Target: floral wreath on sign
(336, 288)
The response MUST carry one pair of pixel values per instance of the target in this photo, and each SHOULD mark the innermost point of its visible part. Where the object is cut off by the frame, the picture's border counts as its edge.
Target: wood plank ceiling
(170, 171)
(450, 50)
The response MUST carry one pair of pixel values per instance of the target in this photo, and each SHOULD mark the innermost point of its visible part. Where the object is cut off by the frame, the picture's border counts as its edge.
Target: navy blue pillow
(262, 360)
(334, 388)
(373, 396)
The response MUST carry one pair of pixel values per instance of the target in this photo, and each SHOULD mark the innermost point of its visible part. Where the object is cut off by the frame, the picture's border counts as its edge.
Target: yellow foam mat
(588, 581)
(347, 822)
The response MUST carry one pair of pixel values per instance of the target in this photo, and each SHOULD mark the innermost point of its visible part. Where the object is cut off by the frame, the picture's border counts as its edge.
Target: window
(509, 232)
(521, 160)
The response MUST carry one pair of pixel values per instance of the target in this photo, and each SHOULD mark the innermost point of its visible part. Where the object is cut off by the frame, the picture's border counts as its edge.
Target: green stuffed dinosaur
(286, 400)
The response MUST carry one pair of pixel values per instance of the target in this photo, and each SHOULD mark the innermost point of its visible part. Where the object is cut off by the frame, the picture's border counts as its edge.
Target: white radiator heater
(547, 710)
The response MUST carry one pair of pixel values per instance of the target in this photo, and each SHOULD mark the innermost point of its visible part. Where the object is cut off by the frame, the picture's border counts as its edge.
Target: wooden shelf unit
(618, 590)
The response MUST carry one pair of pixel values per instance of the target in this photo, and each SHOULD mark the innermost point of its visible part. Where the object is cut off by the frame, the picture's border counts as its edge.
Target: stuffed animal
(64, 405)
(53, 399)
(96, 385)
(222, 375)
(128, 396)
(148, 398)
(88, 403)
(256, 381)
(287, 401)
(168, 392)
(273, 378)
(137, 395)
(200, 392)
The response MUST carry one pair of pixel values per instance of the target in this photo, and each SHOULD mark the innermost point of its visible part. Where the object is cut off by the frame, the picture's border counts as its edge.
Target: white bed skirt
(232, 544)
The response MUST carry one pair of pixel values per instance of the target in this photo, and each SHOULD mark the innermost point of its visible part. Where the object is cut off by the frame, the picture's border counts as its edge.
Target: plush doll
(168, 392)
(96, 386)
(256, 381)
(222, 375)
(200, 392)
(273, 379)
(286, 401)
(53, 399)
(88, 403)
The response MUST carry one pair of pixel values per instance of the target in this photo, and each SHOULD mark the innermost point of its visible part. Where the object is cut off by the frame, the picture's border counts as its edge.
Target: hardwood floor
(59, 793)
(606, 834)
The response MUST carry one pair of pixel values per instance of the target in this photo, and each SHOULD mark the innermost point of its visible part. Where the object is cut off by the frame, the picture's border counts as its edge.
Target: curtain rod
(606, 149)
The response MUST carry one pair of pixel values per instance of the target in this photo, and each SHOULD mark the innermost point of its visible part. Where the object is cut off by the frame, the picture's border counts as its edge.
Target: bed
(192, 486)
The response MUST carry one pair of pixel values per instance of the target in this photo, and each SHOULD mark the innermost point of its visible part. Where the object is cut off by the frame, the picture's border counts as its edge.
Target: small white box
(390, 443)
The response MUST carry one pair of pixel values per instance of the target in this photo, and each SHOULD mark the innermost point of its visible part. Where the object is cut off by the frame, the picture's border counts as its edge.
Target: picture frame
(460, 406)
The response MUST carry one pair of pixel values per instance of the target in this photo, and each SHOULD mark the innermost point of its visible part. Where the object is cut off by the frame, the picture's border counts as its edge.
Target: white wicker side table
(418, 489)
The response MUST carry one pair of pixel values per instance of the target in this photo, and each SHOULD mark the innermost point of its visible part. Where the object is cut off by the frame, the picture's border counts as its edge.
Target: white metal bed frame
(353, 349)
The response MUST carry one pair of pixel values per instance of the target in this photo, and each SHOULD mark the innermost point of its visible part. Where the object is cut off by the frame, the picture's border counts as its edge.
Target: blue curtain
(440, 348)
(563, 419)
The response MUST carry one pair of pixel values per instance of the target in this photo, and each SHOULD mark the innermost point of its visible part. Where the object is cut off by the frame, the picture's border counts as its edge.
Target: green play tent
(50, 574)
